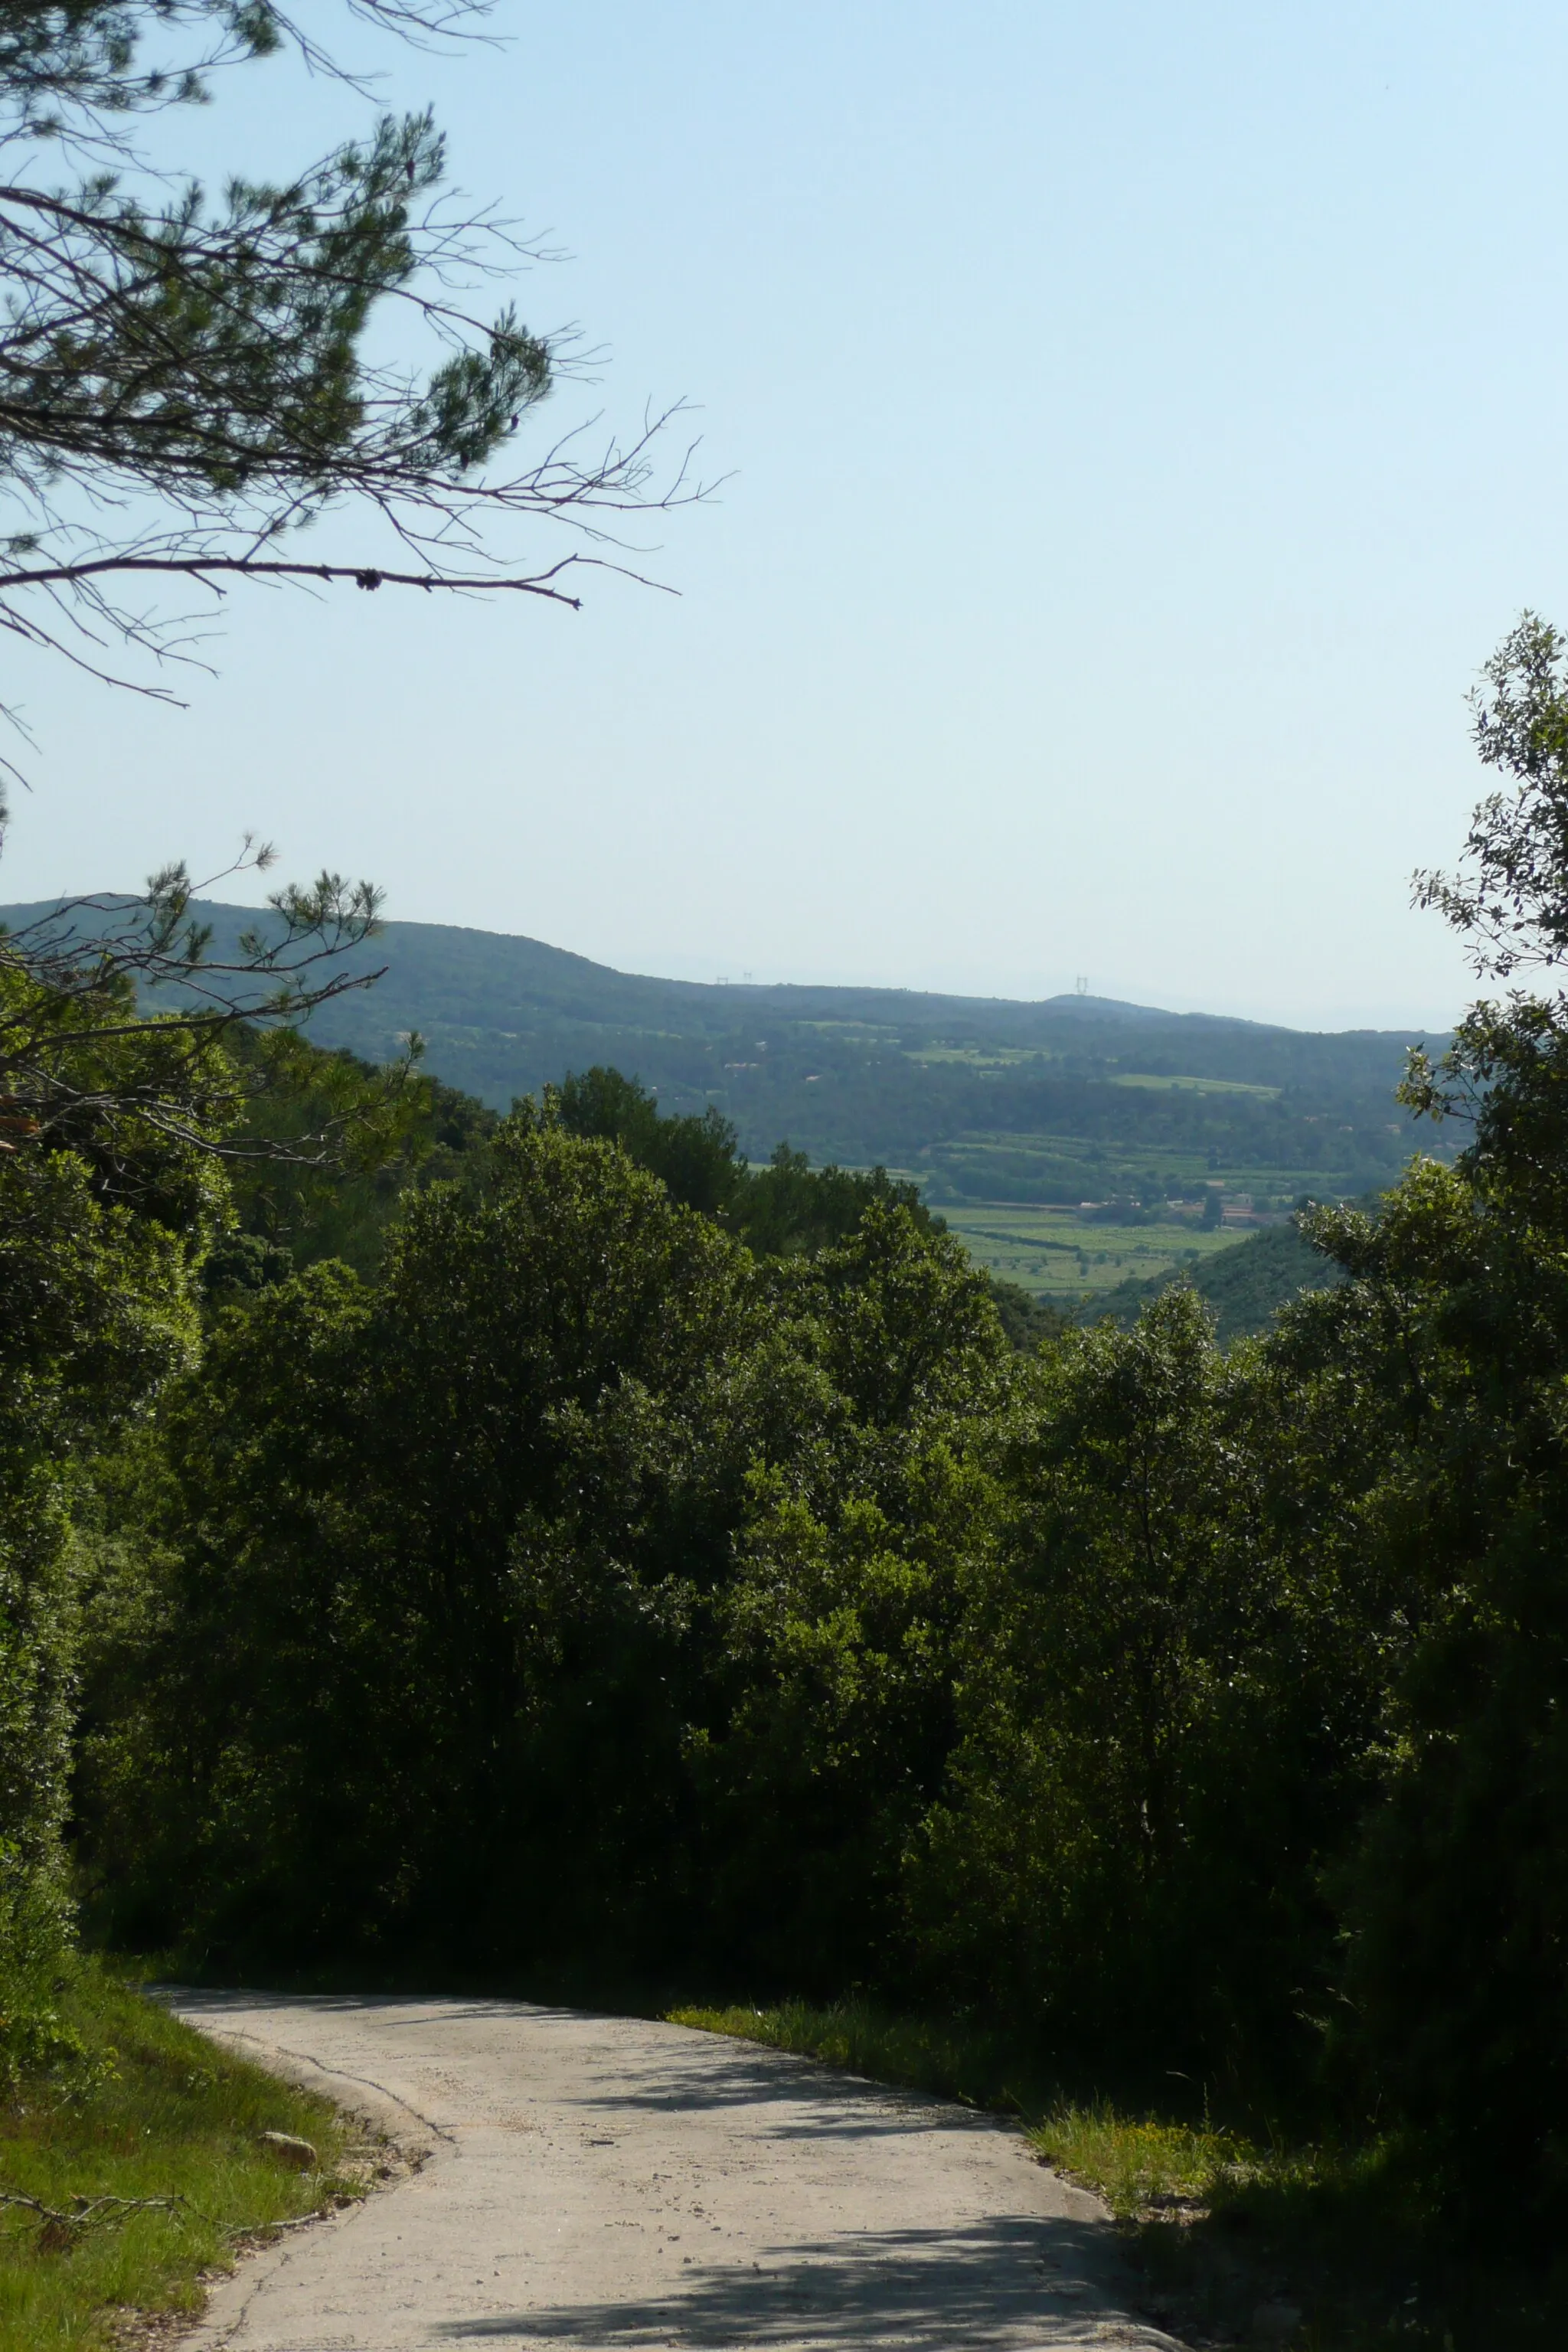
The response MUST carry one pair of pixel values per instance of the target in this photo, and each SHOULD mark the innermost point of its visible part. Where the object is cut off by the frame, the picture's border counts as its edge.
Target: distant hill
(983, 1099)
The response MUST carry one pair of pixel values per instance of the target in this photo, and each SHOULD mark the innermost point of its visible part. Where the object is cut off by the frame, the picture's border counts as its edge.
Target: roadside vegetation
(133, 2163)
(1248, 2233)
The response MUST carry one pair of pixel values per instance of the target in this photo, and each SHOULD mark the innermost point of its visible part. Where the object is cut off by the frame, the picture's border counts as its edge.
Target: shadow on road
(814, 2104)
(994, 2286)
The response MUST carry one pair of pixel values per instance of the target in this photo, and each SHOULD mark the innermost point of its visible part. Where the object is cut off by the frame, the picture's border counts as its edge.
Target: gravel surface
(605, 2182)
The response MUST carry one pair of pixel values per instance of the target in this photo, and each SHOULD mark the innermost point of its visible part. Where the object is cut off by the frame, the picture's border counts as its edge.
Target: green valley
(1072, 1144)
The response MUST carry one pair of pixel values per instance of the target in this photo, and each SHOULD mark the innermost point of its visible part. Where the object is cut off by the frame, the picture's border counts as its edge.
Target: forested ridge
(1058, 1101)
(626, 1562)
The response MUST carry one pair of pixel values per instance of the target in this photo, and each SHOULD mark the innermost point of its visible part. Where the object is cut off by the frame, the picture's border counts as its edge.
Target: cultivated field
(1054, 1253)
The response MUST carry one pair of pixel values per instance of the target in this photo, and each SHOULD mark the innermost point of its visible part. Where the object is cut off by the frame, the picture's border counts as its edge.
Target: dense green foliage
(480, 1518)
(135, 1156)
(779, 1209)
(99, 1230)
(552, 1544)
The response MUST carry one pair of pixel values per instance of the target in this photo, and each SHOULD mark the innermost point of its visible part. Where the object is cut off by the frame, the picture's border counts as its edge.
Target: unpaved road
(602, 2182)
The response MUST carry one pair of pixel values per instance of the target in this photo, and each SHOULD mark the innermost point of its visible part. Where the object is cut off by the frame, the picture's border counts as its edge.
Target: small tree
(1505, 1072)
(1509, 899)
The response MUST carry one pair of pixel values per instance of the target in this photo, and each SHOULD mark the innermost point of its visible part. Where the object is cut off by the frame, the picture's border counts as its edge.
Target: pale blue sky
(1143, 420)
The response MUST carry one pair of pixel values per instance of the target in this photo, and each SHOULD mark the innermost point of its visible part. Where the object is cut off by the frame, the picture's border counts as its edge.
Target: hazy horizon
(698, 974)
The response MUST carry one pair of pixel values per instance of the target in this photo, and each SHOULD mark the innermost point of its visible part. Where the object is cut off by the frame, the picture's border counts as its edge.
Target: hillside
(1243, 1285)
(987, 1102)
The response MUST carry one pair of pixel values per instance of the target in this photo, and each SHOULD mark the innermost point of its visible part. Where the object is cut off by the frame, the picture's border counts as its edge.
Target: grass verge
(133, 2106)
(1240, 2238)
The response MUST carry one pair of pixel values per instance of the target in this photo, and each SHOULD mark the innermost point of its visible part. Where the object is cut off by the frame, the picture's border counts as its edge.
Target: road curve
(603, 2184)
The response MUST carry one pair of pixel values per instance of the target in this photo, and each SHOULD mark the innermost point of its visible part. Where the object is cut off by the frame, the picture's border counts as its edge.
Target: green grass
(848, 1030)
(1231, 2231)
(925, 2054)
(151, 2110)
(1139, 2164)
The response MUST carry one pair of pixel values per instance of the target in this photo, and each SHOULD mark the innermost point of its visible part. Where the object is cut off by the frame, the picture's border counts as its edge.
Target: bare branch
(254, 567)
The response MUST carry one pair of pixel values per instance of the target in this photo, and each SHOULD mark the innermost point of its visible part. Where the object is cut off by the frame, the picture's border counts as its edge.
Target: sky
(1137, 423)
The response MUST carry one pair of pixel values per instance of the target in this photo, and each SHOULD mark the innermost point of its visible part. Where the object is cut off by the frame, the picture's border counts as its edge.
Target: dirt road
(603, 2182)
